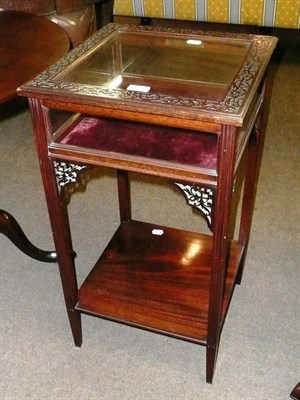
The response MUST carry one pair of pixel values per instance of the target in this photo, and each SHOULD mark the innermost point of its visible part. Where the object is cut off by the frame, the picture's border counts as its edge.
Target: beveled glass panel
(162, 64)
(201, 76)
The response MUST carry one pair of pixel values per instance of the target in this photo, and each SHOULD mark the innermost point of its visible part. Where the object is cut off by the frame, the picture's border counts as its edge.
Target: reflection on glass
(164, 64)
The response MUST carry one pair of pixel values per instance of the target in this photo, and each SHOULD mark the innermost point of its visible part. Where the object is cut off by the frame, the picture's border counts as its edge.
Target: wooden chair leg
(11, 229)
(295, 395)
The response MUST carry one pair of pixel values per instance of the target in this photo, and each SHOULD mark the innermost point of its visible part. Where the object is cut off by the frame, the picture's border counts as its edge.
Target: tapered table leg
(251, 174)
(222, 203)
(59, 219)
(124, 195)
(10, 228)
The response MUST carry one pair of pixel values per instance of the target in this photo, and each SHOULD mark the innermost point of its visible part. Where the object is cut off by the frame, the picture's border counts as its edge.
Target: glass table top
(142, 62)
(160, 70)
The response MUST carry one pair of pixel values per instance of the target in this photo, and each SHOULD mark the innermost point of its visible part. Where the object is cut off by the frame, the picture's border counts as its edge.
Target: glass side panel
(161, 64)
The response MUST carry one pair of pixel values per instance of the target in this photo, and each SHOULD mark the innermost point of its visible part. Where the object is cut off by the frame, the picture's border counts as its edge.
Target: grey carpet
(259, 352)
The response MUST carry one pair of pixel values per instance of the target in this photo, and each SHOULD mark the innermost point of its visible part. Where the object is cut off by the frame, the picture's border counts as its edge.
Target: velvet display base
(151, 141)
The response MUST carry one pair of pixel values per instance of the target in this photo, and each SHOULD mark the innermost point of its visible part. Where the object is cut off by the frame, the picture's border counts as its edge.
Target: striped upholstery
(272, 13)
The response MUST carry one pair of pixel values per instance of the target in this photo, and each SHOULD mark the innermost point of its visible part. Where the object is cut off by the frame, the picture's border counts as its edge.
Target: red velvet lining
(151, 141)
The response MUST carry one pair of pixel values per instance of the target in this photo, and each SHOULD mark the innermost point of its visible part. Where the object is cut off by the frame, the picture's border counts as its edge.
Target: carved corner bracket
(200, 198)
(70, 177)
(67, 172)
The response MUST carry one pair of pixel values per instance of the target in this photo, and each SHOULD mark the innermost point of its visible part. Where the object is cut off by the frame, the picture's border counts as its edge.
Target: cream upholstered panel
(272, 13)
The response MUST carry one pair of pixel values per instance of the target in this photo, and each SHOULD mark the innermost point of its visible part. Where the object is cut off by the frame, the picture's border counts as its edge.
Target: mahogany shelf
(157, 278)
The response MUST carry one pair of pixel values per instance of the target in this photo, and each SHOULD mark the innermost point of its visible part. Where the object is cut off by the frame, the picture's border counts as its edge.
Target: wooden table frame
(224, 260)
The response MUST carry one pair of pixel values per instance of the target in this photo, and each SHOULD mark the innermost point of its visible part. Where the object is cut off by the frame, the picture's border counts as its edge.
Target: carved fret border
(231, 103)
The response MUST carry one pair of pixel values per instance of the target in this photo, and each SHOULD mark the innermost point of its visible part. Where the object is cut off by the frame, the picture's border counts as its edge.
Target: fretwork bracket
(200, 198)
(70, 178)
(67, 172)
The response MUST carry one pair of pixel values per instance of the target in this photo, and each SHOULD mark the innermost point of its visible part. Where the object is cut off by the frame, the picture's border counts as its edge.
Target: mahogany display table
(178, 104)
(28, 45)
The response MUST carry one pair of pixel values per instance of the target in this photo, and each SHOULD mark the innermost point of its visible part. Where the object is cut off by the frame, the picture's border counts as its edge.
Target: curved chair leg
(295, 395)
(10, 228)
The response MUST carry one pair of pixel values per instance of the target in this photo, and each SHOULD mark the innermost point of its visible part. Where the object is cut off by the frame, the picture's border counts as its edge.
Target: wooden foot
(295, 395)
(241, 269)
(76, 327)
(211, 358)
(10, 228)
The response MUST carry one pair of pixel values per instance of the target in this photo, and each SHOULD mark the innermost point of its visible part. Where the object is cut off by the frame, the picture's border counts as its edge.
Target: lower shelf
(156, 278)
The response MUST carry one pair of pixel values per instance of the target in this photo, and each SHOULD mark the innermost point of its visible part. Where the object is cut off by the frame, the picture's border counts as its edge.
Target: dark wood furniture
(76, 17)
(295, 395)
(28, 45)
(104, 12)
(178, 104)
